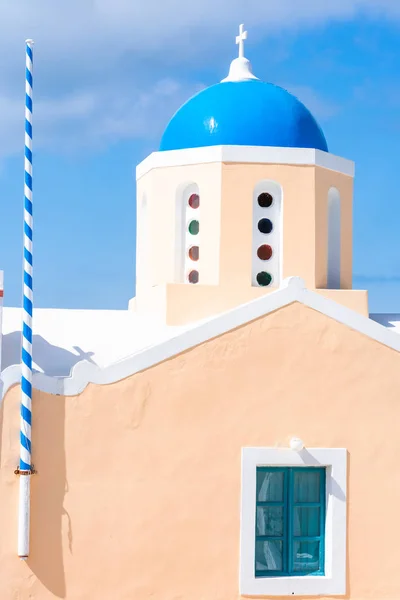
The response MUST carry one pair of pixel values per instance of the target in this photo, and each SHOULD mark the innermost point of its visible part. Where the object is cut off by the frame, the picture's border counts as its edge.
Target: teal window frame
(288, 538)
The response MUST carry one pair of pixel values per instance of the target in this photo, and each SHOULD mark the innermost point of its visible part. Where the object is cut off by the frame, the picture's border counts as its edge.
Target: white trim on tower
(246, 154)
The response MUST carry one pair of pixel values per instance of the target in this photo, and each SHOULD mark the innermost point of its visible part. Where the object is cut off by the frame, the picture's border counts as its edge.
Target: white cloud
(107, 28)
(97, 118)
(101, 65)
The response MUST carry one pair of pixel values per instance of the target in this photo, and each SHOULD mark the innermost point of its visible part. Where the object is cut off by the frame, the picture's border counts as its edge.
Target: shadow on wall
(51, 537)
(52, 360)
(51, 526)
(51, 529)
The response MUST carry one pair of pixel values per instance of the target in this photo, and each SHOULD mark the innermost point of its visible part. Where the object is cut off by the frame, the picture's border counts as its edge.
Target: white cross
(240, 40)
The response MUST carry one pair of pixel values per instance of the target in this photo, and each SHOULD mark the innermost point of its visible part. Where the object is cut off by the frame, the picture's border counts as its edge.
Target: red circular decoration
(193, 277)
(194, 253)
(264, 252)
(194, 201)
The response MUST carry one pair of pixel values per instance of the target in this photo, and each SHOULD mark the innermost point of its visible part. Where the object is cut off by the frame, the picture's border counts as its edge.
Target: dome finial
(240, 69)
(240, 40)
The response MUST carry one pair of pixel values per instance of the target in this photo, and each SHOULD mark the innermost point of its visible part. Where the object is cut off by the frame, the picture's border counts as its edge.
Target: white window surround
(334, 581)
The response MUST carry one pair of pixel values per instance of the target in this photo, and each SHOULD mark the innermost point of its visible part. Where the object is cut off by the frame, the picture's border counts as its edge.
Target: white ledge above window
(334, 580)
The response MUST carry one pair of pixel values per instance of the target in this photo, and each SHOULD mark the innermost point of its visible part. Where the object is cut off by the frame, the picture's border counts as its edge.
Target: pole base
(24, 516)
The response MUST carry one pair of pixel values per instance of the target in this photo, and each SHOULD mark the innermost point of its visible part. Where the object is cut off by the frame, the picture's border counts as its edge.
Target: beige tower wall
(305, 221)
(163, 189)
(226, 230)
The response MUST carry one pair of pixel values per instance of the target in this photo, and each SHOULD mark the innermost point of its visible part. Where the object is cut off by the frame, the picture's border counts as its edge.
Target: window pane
(269, 520)
(306, 521)
(306, 556)
(269, 556)
(306, 486)
(269, 486)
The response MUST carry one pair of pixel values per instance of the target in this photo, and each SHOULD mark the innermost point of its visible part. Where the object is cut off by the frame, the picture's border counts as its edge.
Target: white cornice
(292, 290)
(245, 154)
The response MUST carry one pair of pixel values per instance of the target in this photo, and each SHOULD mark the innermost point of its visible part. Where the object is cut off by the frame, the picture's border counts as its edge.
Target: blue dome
(243, 113)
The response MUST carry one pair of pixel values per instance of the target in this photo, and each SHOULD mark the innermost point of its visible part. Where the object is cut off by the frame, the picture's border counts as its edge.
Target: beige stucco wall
(138, 488)
(226, 229)
(179, 304)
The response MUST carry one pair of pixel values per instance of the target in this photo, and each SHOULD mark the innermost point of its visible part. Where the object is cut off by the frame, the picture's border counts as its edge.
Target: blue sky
(108, 76)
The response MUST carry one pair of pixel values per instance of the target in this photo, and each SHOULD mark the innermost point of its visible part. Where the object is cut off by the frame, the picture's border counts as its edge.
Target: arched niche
(142, 241)
(334, 239)
(187, 211)
(267, 234)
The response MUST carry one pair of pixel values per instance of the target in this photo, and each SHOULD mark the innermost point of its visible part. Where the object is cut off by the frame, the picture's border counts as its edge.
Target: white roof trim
(246, 154)
(292, 290)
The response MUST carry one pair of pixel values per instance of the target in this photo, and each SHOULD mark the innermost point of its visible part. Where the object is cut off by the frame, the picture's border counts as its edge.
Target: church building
(233, 433)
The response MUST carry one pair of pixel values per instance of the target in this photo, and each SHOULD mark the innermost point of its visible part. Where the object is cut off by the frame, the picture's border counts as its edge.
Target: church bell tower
(242, 193)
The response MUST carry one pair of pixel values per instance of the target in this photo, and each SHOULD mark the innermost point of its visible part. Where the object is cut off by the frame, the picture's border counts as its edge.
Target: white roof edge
(292, 290)
(388, 316)
(246, 154)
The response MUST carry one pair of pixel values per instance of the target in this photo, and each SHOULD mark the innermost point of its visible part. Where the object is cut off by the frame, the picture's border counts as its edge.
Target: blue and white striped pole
(25, 461)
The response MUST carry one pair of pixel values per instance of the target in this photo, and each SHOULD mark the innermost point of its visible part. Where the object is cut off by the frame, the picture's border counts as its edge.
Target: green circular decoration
(264, 278)
(194, 227)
